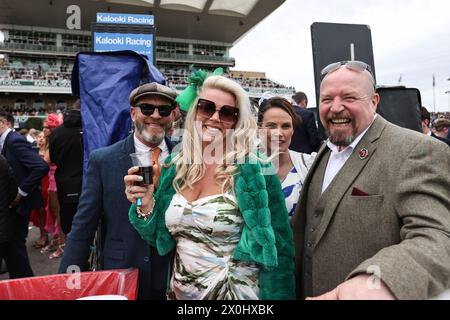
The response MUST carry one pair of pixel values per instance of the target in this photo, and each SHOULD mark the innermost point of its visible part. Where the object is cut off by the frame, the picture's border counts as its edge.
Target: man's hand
(360, 287)
(16, 201)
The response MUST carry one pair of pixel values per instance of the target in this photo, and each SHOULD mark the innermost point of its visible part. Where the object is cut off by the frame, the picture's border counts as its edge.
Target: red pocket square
(359, 193)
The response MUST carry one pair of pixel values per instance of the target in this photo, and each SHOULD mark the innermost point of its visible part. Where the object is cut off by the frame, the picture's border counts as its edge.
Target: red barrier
(121, 282)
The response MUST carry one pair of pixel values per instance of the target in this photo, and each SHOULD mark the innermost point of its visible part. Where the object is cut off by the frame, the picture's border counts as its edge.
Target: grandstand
(37, 50)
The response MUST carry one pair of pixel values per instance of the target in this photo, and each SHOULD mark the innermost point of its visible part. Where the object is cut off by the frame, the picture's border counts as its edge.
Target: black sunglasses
(147, 109)
(207, 108)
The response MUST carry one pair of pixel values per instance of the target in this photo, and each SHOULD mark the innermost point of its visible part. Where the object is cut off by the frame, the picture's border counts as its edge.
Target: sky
(410, 38)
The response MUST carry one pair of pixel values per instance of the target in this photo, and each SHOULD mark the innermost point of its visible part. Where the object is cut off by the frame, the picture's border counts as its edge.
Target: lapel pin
(363, 154)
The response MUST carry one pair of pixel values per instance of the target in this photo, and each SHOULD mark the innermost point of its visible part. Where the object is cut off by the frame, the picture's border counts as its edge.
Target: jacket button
(316, 215)
(146, 259)
(309, 244)
(313, 230)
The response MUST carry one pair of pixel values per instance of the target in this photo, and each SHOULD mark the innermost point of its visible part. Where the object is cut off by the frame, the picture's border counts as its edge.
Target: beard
(341, 138)
(153, 138)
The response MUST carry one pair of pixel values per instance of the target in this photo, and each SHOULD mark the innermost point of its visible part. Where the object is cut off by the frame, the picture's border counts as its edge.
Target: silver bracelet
(142, 215)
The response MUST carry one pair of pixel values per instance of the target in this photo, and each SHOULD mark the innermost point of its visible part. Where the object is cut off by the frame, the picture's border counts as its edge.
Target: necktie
(156, 166)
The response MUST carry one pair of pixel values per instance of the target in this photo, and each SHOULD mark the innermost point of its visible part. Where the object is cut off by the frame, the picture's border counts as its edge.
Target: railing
(19, 119)
(38, 47)
(193, 58)
(36, 83)
(256, 91)
(252, 91)
(277, 91)
(159, 55)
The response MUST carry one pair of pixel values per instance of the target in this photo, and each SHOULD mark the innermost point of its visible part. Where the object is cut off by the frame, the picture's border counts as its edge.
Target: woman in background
(56, 246)
(39, 216)
(277, 120)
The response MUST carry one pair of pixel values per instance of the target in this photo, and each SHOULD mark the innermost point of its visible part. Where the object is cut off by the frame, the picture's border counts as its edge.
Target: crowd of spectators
(179, 77)
(24, 111)
(437, 115)
(27, 70)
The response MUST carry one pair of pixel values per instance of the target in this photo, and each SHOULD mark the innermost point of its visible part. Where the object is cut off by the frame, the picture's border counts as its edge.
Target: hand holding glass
(144, 162)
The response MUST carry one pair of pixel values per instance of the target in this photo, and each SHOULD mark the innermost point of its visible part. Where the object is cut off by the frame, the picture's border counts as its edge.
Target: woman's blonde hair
(190, 166)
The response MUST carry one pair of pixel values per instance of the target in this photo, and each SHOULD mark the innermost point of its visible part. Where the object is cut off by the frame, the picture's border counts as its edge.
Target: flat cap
(153, 89)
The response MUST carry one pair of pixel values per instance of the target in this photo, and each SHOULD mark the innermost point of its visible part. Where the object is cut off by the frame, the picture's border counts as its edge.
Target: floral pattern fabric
(207, 231)
(292, 185)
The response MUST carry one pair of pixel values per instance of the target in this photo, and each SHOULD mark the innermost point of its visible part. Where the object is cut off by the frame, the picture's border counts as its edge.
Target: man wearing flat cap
(103, 199)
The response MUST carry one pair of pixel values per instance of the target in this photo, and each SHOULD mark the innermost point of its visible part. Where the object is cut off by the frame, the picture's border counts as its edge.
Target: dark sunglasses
(147, 109)
(207, 108)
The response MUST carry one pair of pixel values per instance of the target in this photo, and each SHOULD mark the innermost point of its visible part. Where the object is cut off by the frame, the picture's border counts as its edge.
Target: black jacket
(28, 168)
(66, 151)
(8, 191)
(447, 141)
(306, 137)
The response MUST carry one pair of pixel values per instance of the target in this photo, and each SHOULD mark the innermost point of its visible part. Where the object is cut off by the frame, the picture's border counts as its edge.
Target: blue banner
(140, 43)
(103, 82)
(121, 18)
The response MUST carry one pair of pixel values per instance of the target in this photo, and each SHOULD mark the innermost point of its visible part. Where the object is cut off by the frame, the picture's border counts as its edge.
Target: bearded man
(152, 109)
(372, 221)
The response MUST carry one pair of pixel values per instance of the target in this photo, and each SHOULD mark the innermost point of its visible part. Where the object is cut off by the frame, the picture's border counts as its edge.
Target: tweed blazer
(386, 212)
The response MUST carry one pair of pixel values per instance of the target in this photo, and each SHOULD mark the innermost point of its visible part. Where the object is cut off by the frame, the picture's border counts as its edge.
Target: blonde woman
(217, 207)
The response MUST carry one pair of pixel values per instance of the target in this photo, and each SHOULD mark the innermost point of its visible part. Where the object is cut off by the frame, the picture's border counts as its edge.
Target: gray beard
(153, 139)
(340, 141)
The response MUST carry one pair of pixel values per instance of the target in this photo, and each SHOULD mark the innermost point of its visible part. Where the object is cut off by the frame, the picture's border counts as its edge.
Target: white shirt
(339, 158)
(29, 138)
(3, 138)
(140, 147)
(2, 142)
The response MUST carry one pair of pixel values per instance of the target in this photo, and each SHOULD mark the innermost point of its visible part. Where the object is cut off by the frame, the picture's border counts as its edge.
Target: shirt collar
(3, 136)
(335, 149)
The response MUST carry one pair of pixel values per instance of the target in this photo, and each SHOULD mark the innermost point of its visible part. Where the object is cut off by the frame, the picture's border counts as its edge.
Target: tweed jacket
(387, 212)
(266, 236)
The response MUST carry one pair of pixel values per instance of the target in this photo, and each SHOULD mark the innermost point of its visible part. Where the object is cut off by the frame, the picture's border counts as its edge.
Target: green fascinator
(187, 97)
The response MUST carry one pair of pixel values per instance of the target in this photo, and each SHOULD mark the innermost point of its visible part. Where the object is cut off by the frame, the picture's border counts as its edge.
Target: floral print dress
(207, 231)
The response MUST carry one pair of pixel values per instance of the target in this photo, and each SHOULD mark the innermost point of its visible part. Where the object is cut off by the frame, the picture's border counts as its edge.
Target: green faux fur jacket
(266, 236)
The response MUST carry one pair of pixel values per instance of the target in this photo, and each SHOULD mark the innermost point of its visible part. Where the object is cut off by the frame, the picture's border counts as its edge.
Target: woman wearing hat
(221, 208)
(56, 245)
